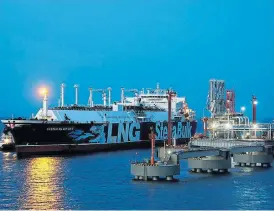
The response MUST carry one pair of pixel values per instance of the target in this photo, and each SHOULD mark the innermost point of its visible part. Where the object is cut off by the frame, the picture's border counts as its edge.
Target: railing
(223, 143)
(262, 126)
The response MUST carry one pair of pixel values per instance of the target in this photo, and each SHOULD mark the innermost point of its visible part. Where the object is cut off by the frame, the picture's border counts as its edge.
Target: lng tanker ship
(108, 126)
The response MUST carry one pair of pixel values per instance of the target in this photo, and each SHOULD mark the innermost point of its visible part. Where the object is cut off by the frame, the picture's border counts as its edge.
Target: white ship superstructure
(150, 105)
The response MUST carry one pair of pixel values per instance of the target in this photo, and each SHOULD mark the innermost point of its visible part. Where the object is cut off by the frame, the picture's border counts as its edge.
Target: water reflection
(8, 186)
(8, 160)
(43, 186)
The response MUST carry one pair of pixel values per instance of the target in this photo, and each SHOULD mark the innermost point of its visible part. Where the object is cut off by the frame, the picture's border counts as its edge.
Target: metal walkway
(209, 147)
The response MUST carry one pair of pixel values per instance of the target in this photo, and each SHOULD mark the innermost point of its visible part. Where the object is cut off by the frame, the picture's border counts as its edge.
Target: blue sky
(135, 44)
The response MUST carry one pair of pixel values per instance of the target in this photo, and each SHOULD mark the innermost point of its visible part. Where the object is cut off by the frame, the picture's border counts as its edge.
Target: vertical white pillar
(90, 98)
(45, 104)
(122, 95)
(76, 93)
(109, 96)
(62, 94)
(104, 98)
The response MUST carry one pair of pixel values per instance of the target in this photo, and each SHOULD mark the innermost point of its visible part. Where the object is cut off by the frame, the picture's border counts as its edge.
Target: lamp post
(242, 109)
(254, 109)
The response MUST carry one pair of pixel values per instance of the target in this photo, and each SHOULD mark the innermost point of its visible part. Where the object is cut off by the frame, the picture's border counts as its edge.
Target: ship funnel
(109, 96)
(62, 94)
(76, 86)
(90, 98)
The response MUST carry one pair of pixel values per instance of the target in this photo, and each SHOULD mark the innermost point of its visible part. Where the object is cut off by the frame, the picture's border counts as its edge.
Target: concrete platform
(252, 159)
(145, 171)
(210, 164)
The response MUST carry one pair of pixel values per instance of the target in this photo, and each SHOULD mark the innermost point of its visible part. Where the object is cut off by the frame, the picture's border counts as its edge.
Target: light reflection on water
(43, 184)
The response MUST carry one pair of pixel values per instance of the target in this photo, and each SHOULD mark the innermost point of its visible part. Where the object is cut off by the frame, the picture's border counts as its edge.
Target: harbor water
(103, 181)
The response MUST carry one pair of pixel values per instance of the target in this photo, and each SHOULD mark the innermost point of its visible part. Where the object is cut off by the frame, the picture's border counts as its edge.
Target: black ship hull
(35, 138)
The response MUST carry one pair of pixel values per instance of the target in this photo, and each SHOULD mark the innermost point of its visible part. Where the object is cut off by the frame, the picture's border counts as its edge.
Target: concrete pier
(263, 159)
(146, 171)
(209, 156)
(210, 164)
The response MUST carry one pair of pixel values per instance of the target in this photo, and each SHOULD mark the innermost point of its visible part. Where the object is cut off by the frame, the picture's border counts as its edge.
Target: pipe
(205, 119)
(109, 96)
(174, 142)
(90, 98)
(62, 94)
(246, 120)
(122, 95)
(270, 132)
(158, 87)
(242, 120)
(76, 94)
(104, 98)
(239, 120)
(152, 138)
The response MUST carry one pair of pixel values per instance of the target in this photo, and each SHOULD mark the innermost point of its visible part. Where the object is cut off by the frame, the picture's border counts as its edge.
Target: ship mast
(170, 95)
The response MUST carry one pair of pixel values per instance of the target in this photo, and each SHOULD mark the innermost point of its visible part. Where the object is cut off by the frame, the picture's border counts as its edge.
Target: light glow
(255, 126)
(228, 126)
(43, 91)
(242, 108)
(7, 141)
(214, 125)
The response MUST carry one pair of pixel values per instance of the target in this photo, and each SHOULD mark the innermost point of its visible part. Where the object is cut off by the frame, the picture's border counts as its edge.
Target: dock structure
(215, 155)
(208, 155)
(152, 170)
(146, 171)
(228, 135)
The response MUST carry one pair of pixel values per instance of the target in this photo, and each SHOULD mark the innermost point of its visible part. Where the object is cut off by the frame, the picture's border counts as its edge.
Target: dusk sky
(135, 44)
